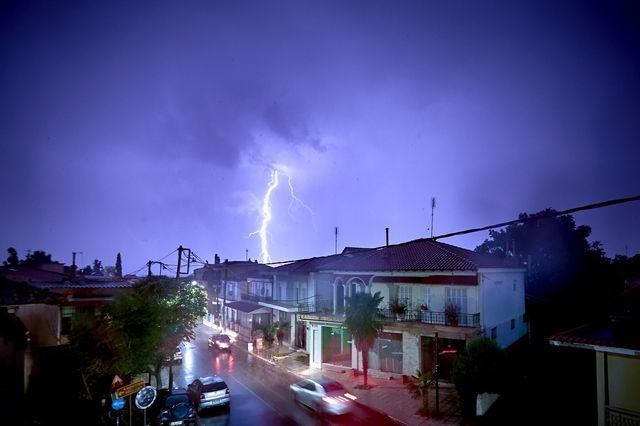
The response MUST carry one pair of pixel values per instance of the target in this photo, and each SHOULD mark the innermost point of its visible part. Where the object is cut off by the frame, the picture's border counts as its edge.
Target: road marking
(256, 395)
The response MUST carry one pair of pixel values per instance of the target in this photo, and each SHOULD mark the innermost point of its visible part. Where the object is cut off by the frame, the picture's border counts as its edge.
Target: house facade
(447, 291)
(616, 345)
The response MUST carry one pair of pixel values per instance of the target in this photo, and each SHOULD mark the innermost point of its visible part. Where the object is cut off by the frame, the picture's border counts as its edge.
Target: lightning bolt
(295, 198)
(266, 213)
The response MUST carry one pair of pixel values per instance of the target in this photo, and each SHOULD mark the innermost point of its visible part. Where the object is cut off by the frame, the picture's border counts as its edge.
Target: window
(404, 294)
(494, 333)
(457, 296)
(426, 297)
(67, 317)
(303, 293)
(513, 323)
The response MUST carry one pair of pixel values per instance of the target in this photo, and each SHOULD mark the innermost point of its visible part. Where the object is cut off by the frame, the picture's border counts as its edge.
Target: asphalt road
(259, 391)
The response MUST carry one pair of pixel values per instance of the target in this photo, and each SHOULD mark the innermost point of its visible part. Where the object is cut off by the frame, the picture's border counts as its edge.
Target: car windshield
(175, 399)
(223, 338)
(332, 387)
(212, 387)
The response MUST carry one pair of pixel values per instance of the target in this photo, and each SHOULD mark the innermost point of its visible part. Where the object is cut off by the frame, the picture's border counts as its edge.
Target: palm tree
(364, 322)
(418, 386)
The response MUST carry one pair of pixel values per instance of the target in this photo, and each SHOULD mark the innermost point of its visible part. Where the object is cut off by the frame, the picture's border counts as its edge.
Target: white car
(323, 395)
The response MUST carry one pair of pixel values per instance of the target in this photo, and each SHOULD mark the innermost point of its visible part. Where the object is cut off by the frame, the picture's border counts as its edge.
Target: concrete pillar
(335, 295)
(344, 299)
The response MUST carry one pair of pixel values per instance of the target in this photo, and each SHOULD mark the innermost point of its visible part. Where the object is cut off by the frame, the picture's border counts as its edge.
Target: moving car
(220, 341)
(323, 395)
(175, 357)
(177, 409)
(208, 392)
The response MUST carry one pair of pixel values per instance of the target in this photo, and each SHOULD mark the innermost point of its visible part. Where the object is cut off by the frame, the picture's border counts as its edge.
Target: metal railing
(431, 317)
(255, 298)
(621, 417)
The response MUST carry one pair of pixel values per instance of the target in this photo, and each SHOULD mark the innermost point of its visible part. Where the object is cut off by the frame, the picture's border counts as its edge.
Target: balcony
(621, 417)
(434, 318)
(256, 298)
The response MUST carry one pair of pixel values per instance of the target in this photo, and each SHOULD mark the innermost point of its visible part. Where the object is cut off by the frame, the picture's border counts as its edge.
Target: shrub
(480, 368)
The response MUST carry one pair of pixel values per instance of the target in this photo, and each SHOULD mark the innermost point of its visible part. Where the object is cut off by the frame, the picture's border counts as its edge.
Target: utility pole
(178, 270)
(149, 268)
(179, 262)
(336, 232)
(437, 374)
(246, 254)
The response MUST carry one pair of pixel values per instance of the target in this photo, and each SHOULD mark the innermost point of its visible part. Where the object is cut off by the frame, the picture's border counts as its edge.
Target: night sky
(134, 127)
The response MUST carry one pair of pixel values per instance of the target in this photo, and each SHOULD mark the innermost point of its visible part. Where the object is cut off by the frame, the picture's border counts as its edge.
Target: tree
(36, 259)
(419, 386)
(139, 330)
(86, 270)
(12, 259)
(364, 321)
(480, 368)
(118, 271)
(97, 268)
(567, 277)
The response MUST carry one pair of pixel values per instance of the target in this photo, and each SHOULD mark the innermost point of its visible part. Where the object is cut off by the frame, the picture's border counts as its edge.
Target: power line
(531, 219)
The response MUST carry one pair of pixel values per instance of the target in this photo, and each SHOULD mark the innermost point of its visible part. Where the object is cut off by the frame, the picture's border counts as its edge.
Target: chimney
(387, 231)
(216, 259)
(72, 271)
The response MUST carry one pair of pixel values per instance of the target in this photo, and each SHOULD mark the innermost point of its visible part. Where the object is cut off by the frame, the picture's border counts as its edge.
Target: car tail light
(350, 396)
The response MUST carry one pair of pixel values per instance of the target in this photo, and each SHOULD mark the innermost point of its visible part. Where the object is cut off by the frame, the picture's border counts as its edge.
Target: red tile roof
(417, 255)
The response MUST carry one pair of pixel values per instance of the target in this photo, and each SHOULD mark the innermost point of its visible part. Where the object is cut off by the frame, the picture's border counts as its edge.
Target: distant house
(616, 344)
(237, 293)
(31, 319)
(423, 275)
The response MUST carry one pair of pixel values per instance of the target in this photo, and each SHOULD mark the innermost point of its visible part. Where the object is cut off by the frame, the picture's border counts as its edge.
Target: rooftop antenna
(433, 206)
(336, 233)
(246, 254)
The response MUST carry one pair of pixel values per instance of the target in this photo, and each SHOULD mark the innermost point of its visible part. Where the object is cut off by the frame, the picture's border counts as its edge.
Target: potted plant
(452, 313)
(398, 308)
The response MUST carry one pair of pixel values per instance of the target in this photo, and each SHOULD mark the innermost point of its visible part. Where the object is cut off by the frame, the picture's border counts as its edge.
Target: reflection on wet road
(259, 391)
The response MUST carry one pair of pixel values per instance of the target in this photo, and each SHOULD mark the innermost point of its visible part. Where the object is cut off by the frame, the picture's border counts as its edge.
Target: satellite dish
(146, 397)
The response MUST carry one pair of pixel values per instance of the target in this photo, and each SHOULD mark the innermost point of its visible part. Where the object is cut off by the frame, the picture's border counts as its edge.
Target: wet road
(259, 390)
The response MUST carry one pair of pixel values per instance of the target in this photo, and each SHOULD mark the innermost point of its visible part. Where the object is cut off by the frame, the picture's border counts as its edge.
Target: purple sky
(133, 128)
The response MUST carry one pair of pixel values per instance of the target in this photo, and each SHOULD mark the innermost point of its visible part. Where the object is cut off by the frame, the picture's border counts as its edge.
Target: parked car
(208, 392)
(177, 409)
(323, 395)
(220, 341)
(175, 357)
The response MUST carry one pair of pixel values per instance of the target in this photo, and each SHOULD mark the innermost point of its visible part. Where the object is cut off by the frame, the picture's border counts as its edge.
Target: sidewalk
(388, 394)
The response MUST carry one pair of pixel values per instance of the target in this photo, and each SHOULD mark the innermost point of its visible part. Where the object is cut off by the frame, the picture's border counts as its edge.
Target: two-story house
(446, 290)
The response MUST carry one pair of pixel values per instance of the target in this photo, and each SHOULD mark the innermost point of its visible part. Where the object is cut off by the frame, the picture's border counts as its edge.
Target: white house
(488, 294)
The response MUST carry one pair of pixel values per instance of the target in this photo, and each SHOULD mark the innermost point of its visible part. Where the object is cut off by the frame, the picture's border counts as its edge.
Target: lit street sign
(129, 389)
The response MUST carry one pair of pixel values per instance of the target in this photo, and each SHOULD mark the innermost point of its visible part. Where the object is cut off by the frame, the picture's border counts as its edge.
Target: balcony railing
(435, 318)
(256, 298)
(620, 417)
